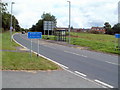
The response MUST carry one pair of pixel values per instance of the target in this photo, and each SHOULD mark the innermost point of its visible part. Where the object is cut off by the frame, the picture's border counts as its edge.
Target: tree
(39, 25)
(49, 17)
(6, 17)
(33, 28)
(116, 28)
(3, 7)
(108, 29)
(5, 21)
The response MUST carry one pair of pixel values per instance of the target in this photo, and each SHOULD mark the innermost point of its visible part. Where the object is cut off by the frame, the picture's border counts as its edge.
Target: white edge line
(98, 81)
(63, 66)
(80, 73)
(86, 78)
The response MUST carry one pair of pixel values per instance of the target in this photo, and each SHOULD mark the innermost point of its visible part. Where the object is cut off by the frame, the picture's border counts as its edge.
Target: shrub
(95, 32)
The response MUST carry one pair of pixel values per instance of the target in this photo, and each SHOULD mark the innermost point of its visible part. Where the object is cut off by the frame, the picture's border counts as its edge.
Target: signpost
(119, 12)
(34, 35)
(118, 37)
(49, 26)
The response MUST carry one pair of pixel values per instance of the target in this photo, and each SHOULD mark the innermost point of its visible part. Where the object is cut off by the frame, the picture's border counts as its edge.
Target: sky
(84, 13)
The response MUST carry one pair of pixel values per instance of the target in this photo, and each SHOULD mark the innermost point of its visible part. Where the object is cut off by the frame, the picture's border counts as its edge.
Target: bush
(95, 32)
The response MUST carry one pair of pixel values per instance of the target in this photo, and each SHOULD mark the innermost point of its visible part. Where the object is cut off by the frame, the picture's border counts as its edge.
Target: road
(99, 67)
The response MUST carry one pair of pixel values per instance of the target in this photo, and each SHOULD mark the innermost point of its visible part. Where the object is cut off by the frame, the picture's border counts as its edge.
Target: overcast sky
(84, 13)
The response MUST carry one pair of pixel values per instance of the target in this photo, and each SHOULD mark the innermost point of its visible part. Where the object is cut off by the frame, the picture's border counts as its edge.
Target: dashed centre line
(74, 72)
(49, 46)
(111, 63)
(75, 53)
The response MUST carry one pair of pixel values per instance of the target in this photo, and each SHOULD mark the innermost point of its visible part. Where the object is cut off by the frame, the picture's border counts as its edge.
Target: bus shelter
(60, 35)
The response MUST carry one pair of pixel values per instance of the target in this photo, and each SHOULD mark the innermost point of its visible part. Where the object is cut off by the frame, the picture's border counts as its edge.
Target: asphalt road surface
(99, 67)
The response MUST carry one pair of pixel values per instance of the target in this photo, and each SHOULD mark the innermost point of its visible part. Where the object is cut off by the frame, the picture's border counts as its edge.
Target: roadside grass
(50, 37)
(95, 37)
(97, 42)
(22, 60)
(6, 42)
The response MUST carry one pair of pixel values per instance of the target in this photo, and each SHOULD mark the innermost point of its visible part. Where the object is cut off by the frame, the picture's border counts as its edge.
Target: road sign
(117, 35)
(49, 25)
(34, 35)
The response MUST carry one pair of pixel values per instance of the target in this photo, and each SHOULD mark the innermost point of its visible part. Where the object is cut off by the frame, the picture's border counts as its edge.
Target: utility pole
(119, 12)
(69, 19)
(11, 27)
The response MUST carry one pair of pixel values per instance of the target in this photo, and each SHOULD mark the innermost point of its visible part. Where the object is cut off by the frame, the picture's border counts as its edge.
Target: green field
(97, 42)
(22, 60)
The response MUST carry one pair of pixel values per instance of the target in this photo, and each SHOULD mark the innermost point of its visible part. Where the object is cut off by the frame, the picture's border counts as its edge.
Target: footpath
(44, 79)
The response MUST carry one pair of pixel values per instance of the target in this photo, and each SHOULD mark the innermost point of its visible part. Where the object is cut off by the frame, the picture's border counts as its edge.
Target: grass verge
(97, 42)
(22, 60)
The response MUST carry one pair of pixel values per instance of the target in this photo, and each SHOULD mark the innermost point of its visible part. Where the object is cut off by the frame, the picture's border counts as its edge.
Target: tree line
(6, 18)
(112, 30)
(39, 25)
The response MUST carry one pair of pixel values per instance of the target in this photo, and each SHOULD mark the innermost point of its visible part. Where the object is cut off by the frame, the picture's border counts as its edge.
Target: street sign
(34, 35)
(49, 25)
(117, 35)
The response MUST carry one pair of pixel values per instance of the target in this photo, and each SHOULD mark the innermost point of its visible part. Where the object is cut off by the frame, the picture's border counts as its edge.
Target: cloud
(84, 13)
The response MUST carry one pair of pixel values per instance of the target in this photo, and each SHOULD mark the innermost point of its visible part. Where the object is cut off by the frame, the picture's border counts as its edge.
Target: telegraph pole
(11, 27)
(69, 19)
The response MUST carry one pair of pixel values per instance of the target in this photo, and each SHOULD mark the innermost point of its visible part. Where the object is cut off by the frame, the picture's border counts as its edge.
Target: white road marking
(50, 47)
(67, 68)
(111, 63)
(84, 56)
(80, 73)
(75, 54)
(63, 66)
(85, 78)
(105, 84)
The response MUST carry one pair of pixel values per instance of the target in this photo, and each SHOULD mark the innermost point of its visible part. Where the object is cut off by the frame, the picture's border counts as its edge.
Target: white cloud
(84, 13)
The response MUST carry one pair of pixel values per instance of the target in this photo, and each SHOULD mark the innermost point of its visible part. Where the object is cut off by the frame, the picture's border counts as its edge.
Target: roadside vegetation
(97, 42)
(22, 60)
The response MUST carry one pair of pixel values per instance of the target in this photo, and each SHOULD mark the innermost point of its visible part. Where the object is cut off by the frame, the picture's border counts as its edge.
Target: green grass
(6, 43)
(95, 37)
(22, 60)
(97, 42)
(50, 37)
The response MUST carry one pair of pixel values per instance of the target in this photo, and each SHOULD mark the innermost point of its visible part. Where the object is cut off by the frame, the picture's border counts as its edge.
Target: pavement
(44, 79)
